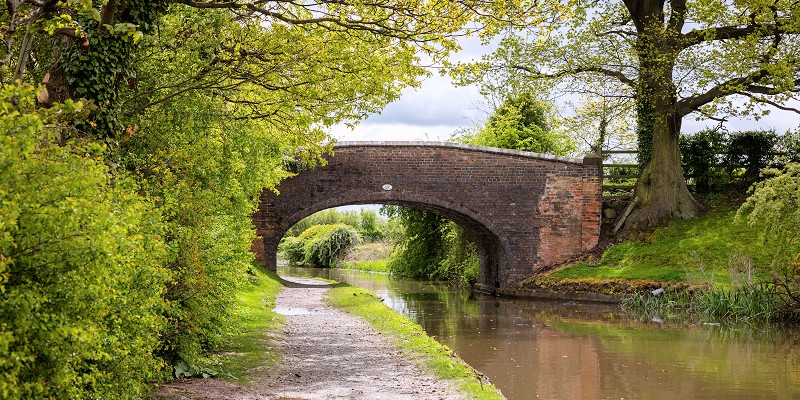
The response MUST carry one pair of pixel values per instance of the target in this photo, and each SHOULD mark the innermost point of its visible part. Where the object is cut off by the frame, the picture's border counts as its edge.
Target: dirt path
(327, 354)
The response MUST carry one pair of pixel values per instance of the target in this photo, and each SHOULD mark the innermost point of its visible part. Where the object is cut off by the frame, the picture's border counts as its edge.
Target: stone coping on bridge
(588, 160)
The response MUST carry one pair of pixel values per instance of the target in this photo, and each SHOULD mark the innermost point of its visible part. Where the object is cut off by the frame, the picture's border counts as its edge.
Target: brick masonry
(524, 211)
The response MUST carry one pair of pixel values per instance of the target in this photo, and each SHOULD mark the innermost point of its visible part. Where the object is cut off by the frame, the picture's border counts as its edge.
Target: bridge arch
(523, 210)
(491, 247)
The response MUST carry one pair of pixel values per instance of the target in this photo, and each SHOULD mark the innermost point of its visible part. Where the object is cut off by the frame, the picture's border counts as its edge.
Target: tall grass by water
(755, 303)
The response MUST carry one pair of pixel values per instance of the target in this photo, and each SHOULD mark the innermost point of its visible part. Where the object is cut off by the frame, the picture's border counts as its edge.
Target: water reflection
(563, 350)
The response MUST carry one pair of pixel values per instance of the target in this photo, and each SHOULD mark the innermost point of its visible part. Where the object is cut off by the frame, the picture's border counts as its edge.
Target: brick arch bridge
(523, 210)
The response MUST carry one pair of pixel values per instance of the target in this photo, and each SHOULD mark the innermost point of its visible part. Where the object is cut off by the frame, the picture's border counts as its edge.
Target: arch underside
(491, 247)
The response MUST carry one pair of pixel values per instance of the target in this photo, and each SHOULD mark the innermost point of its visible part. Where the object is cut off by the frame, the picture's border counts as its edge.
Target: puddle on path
(291, 311)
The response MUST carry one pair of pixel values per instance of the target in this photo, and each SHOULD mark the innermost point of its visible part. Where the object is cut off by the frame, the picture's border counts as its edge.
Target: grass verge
(413, 340)
(248, 346)
(361, 265)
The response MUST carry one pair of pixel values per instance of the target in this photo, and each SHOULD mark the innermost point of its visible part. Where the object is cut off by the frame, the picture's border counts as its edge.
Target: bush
(701, 156)
(774, 208)
(292, 250)
(319, 245)
(713, 161)
(421, 248)
(460, 264)
(748, 153)
(81, 281)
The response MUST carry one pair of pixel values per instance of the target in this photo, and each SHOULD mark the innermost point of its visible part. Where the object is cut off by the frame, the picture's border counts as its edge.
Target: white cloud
(431, 112)
(393, 132)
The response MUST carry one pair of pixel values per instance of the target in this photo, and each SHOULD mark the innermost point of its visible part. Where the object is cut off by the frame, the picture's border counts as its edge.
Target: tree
(774, 208)
(187, 111)
(300, 66)
(522, 123)
(674, 58)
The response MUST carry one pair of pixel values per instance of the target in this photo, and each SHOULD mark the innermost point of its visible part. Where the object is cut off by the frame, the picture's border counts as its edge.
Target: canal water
(565, 350)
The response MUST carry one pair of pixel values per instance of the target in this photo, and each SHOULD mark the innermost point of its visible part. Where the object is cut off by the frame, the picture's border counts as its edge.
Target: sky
(431, 112)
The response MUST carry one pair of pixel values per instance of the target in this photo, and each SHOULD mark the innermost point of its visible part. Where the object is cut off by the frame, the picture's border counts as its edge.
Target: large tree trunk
(661, 190)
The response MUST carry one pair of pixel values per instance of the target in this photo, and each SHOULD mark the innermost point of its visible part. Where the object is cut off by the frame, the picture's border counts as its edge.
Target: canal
(565, 350)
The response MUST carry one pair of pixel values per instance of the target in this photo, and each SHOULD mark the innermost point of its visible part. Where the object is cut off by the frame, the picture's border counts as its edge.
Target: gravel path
(327, 354)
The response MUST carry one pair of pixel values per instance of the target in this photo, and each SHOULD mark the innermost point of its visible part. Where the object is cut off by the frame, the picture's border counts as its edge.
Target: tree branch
(760, 99)
(689, 104)
(600, 70)
(698, 36)
(213, 4)
(678, 16)
(770, 90)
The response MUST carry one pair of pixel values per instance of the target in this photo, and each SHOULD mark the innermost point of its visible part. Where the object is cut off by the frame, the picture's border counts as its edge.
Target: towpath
(326, 354)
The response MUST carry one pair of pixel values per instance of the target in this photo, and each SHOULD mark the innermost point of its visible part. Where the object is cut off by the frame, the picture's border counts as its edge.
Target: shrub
(460, 264)
(81, 281)
(319, 245)
(421, 248)
(749, 152)
(701, 156)
(292, 249)
(205, 172)
(330, 245)
(713, 161)
(774, 207)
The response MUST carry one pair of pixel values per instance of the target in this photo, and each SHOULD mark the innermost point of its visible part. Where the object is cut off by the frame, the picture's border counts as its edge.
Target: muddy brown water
(565, 350)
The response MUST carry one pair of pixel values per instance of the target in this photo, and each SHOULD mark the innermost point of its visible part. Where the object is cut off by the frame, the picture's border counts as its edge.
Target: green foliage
(701, 156)
(460, 263)
(751, 151)
(410, 337)
(369, 225)
(773, 210)
(420, 252)
(319, 245)
(717, 162)
(97, 71)
(521, 123)
(205, 178)
(81, 263)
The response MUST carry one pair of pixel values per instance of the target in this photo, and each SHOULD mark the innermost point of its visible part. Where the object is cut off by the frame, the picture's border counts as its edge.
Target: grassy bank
(371, 266)
(371, 256)
(413, 340)
(247, 347)
(711, 266)
(714, 249)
